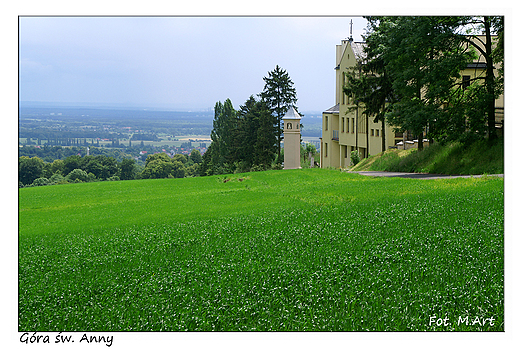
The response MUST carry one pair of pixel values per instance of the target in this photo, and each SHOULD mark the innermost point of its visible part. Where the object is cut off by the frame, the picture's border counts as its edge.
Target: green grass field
(296, 250)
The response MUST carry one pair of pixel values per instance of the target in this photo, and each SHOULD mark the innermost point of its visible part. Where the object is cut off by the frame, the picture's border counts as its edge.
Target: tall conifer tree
(279, 94)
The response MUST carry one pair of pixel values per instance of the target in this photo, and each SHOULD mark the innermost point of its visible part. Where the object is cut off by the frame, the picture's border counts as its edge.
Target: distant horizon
(131, 106)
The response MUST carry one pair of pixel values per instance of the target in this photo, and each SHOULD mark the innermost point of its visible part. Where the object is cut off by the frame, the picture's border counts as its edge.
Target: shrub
(77, 175)
(57, 178)
(178, 169)
(354, 157)
(38, 182)
(277, 166)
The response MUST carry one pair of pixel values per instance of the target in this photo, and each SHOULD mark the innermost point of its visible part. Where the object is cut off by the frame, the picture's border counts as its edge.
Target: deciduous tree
(29, 169)
(423, 59)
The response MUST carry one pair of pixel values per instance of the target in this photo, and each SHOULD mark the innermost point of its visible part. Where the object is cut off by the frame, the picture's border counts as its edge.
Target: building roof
(292, 114)
(332, 110)
(358, 48)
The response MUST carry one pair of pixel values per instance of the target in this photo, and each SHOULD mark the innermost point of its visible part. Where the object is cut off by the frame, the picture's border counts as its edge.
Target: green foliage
(250, 137)
(424, 58)
(71, 163)
(305, 150)
(97, 167)
(157, 157)
(253, 254)
(77, 175)
(181, 158)
(57, 178)
(40, 181)
(354, 157)
(192, 170)
(453, 158)
(279, 94)
(195, 156)
(221, 149)
(160, 165)
(241, 140)
(127, 169)
(29, 169)
(101, 166)
(55, 167)
(414, 64)
(157, 169)
(178, 169)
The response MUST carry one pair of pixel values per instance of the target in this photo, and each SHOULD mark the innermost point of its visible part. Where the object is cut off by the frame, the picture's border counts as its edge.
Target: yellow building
(345, 128)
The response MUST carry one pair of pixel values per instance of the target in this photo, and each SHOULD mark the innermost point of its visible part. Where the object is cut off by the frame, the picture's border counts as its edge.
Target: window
(342, 124)
(326, 149)
(348, 124)
(352, 125)
(362, 125)
(289, 126)
(465, 81)
(372, 132)
(343, 94)
(326, 122)
(377, 133)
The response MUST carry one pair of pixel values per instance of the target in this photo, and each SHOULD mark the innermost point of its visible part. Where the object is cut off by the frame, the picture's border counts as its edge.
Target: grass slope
(294, 250)
(452, 159)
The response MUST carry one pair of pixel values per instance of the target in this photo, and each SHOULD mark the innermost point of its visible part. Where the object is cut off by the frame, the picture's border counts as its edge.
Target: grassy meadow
(295, 250)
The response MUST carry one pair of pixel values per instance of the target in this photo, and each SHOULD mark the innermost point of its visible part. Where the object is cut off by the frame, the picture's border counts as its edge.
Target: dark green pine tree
(256, 134)
(278, 94)
(266, 141)
(247, 126)
(222, 150)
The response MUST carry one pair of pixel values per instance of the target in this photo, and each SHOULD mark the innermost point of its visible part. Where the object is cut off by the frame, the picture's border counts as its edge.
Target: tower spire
(351, 38)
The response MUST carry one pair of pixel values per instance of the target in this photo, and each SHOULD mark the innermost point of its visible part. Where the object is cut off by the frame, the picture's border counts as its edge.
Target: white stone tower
(291, 139)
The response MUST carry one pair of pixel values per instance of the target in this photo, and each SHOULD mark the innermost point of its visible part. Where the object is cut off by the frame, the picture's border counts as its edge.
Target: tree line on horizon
(33, 171)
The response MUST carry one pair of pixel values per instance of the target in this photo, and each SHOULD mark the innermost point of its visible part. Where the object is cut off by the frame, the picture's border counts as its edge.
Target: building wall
(291, 144)
(346, 130)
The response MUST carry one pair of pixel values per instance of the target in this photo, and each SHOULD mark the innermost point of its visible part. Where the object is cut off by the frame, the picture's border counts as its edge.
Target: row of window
(347, 125)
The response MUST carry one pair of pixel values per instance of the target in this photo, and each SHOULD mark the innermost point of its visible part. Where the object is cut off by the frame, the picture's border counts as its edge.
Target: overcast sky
(178, 62)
